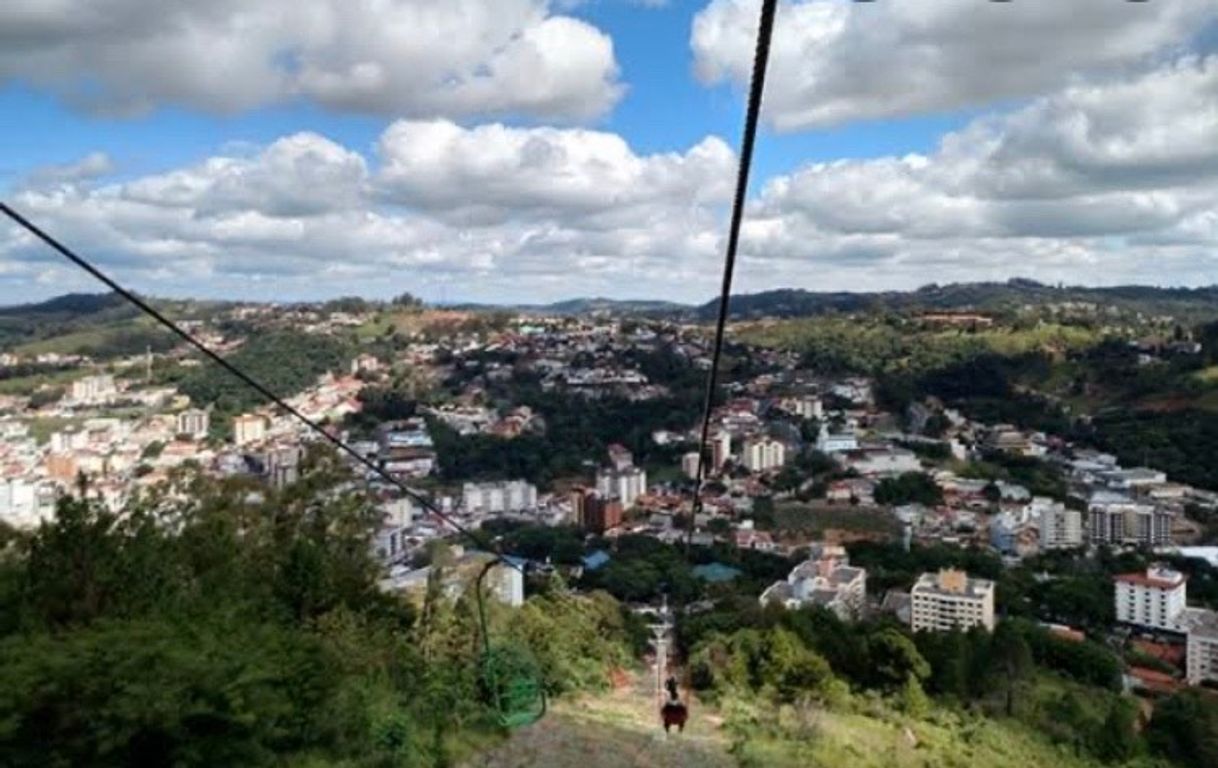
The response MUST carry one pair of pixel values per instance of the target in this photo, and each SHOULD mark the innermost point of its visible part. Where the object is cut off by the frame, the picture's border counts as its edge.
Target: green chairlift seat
(513, 685)
(511, 679)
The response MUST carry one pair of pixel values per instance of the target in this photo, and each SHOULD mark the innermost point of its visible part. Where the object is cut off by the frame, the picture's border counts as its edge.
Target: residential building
(25, 503)
(1153, 599)
(951, 599)
(1115, 519)
(497, 498)
(1060, 527)
(624, 485)
(825, 579)
(763, 454)
(593, 513)
(1201, 655)
(804, 407)
(405, 448)
(874, 462)
(93, 389)
(280, 465)
(365, 362)
(721, 449)
(249, 428)
(836, 442)
(689, 465)
(194, 422)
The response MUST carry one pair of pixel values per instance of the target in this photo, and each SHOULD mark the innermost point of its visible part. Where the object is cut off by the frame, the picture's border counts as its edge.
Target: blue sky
(665, 109)
(329, 141)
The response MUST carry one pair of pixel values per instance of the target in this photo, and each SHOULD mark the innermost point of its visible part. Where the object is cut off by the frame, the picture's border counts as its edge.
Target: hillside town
(785, 442)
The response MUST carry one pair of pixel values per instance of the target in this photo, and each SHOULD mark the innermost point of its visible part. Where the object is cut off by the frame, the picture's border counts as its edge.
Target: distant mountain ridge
(985, 296)
(784, 302)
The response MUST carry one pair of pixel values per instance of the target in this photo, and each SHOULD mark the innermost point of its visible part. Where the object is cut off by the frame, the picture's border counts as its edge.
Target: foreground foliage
(227, 626)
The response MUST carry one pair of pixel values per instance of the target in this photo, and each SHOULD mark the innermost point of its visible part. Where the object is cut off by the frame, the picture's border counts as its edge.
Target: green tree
(1011, 661)
(895, 659)
(1184, 729)
(1117, 740)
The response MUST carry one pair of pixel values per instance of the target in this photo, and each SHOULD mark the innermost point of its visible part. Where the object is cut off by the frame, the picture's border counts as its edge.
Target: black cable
(761, 57)
(251, 382)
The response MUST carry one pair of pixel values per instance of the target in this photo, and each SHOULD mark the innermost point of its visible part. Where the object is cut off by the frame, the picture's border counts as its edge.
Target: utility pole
(661, 632)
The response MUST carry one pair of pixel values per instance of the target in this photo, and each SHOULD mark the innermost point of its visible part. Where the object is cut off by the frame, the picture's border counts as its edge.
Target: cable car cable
(756, 88)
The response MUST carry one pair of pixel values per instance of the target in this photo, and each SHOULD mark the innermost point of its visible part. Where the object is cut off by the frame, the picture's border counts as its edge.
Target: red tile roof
(1142, 580)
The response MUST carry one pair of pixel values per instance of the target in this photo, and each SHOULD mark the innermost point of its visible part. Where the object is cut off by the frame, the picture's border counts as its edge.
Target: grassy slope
(619, 729)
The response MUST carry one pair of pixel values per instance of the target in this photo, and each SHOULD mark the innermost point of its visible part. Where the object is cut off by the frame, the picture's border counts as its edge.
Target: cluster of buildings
(1157, 600)
(827, 580)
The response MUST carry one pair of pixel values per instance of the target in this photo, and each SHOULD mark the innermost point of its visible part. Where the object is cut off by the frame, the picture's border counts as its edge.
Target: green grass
(41, 428)
(24, 385)
(619, 729)
(869, 732)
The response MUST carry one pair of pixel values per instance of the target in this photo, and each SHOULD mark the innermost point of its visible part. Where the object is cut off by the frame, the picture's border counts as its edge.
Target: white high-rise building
(763, 454)
(94, 389)
(689, 465)
(1152, 599)
(497, 498)
(194, 422)
(25, 503)
(1201, 655)
(721, 449)
(624, 485)
(951, 599)
(249, 428)
(1060, 527)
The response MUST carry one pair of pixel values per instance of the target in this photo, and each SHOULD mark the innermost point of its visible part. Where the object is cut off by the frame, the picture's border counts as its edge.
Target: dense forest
(286, 362)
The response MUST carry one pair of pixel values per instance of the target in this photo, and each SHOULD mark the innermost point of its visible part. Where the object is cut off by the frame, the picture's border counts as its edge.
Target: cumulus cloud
(494, 172)
(499, 211)
(833, 62)
(406, 57)
(1099, 182)
(1103, 181)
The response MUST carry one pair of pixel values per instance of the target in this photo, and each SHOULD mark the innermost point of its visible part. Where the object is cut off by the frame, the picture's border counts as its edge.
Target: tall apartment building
(1201, 654)
(1152, 599)
(93, 389)
(1158, 599)
(721, 449)
(625, 485)
(1060, 527)
(951, 599)
(593, 513)
(1119, 521)
(194, 422)
(249, 428)
(497, 498)
(689, 465)
(763, 454)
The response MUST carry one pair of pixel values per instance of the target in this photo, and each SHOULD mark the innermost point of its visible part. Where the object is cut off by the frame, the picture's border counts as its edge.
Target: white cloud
(406, 57)
(834, 62)
(1104, 181)
(493, 173)
(498, 211)
(1101, 181)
